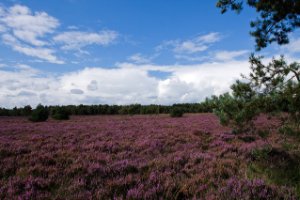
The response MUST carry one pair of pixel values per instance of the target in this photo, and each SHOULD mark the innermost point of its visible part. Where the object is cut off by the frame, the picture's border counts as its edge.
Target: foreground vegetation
(145, 157)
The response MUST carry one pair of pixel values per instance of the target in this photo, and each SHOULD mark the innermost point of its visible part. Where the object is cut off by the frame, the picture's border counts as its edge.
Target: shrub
(124, 110)
(263, 133)
(238, 109)
(261, 153)
(60, 113)
(39, 114)
(134, 109)
(176, 112)
(26, 111)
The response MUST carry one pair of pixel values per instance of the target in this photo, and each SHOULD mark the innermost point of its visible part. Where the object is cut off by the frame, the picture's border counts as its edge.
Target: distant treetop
(277, 19)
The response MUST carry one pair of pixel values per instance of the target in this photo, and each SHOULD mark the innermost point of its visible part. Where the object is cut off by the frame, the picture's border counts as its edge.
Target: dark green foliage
(176, 112)
(263, 133)
(26, 111)
(290, 130)
(279, 83)
(237, 110)
(134, 109)
(39, 114)
(277, 166)
(153, 109)
(247, 138)
(262, 153)
(277, 18)
(272, 88)
(123, 111)
(60, 113)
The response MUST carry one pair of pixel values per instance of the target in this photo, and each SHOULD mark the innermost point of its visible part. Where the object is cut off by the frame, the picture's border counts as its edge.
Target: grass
(276, 166)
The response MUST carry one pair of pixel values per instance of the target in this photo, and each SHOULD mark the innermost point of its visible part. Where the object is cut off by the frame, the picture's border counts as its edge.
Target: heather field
(145, 157)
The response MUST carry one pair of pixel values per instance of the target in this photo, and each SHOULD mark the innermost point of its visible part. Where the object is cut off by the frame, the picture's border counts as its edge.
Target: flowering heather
(131, 157)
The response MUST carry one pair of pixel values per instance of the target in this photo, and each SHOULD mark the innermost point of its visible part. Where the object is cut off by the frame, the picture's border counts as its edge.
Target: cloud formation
(75, 40)
(38, 52)
(25, 31)
(36, 34)
(191, 46)
(293, 46)
(140, 59)
(229, 55)
(27, 26)
(126, 83)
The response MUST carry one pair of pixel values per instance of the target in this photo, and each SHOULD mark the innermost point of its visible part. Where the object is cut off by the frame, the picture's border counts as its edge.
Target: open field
(143, 157)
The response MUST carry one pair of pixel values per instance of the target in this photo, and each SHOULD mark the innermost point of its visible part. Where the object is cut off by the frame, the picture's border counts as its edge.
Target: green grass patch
(276, 167)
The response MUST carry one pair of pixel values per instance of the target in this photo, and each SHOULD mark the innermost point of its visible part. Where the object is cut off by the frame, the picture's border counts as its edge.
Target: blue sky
(122, 51)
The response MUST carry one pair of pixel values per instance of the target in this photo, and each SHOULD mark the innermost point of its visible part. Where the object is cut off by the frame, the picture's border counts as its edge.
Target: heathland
(145, 157)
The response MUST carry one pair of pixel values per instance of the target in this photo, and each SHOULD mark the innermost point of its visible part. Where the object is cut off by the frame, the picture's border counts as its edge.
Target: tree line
(133, 109)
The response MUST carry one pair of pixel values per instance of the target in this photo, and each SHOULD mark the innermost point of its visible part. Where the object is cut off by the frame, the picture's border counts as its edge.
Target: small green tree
(272, 88)
(281, 81)
(124, 110)
(60, 113)
(134, 109)
(176, 112)
(26, 111)
(239, 109)
(39, 114)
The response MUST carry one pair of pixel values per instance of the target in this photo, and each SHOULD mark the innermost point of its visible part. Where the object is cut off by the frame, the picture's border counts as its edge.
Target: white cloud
(194, 45)
(293, 46)
(176, 90)
(72, 27)
(75, 40)
(192, 83)
(214, 56)
(76, 91)
(191, 58)
(93, 85)
(27, 26)
(25, 31)
(26, 68)
(117, 85)
(22, 86)
(125, 84)
(139, 59)
(31, 33)
(38, 52)
(229, 55)
(190, 47)
(209, 38)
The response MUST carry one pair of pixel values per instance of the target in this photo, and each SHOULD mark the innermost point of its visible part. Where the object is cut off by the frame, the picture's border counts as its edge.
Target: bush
(26, 111)
(60, 113)
(134, 109)
(263, 133)
(39, 114)
(176, 112)
(261, 153)
(124, 110)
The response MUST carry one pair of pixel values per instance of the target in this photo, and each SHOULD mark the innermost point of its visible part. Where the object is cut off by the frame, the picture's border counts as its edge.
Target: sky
(62, 52)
